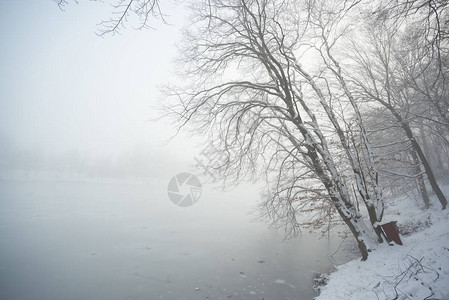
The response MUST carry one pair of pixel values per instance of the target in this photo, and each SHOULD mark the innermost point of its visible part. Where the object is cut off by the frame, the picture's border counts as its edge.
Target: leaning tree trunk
(421, 183)
(423, 190)
(429, 172)
(374, 216)
(417, 148)
(352, 223)
(335, 188)
(375, 213)
(345, 208)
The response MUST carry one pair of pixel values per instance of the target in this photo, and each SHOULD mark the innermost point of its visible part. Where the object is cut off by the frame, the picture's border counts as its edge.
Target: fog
(84, 167)
(65, 92)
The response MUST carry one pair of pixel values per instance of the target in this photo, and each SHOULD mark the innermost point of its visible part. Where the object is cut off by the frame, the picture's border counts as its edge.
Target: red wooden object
(391, 232)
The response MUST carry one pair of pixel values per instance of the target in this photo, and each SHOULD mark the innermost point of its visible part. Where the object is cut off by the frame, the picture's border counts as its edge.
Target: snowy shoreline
(417, 270)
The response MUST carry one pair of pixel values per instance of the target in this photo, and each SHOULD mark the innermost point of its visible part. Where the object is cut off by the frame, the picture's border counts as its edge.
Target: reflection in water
(81, 240)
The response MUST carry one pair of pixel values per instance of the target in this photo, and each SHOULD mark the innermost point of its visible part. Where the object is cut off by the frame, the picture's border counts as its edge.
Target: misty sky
(62, 87)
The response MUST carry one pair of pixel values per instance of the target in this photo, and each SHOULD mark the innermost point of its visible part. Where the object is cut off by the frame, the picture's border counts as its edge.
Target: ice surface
(93, 240)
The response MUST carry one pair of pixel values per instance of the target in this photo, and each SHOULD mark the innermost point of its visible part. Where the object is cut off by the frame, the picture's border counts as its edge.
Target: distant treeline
(140, 162)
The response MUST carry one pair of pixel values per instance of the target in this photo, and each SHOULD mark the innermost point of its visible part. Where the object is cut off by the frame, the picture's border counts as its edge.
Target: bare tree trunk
(422, 157)
(423, 190)
(418, 150)
(375, 213)
(429, 172)
(334, 184)
(415, 145)
(421, 183)
(342, 203)
(438, 153)
(352, 224)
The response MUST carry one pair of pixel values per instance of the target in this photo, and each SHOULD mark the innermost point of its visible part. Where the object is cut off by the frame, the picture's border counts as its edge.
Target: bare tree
(328, 31)
(122, 10)
(431, 18)
(384, 80)
(266, 114)
(398, 163)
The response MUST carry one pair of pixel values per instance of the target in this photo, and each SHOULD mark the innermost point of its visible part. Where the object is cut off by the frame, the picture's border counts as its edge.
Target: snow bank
(417, 270)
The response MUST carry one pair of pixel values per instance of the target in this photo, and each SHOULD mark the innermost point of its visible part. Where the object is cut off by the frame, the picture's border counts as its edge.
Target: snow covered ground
(417, 270)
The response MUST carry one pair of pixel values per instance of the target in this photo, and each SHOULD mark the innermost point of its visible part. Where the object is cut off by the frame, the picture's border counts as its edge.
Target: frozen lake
(85, 240)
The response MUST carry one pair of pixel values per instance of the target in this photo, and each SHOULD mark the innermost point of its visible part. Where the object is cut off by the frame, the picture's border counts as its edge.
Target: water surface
(86, 240)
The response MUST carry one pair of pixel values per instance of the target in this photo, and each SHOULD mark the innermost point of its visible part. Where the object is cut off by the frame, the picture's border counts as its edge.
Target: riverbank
(417, 270)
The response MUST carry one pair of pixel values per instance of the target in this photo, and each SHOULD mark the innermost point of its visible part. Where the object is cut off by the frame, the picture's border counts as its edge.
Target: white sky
(62, 87)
